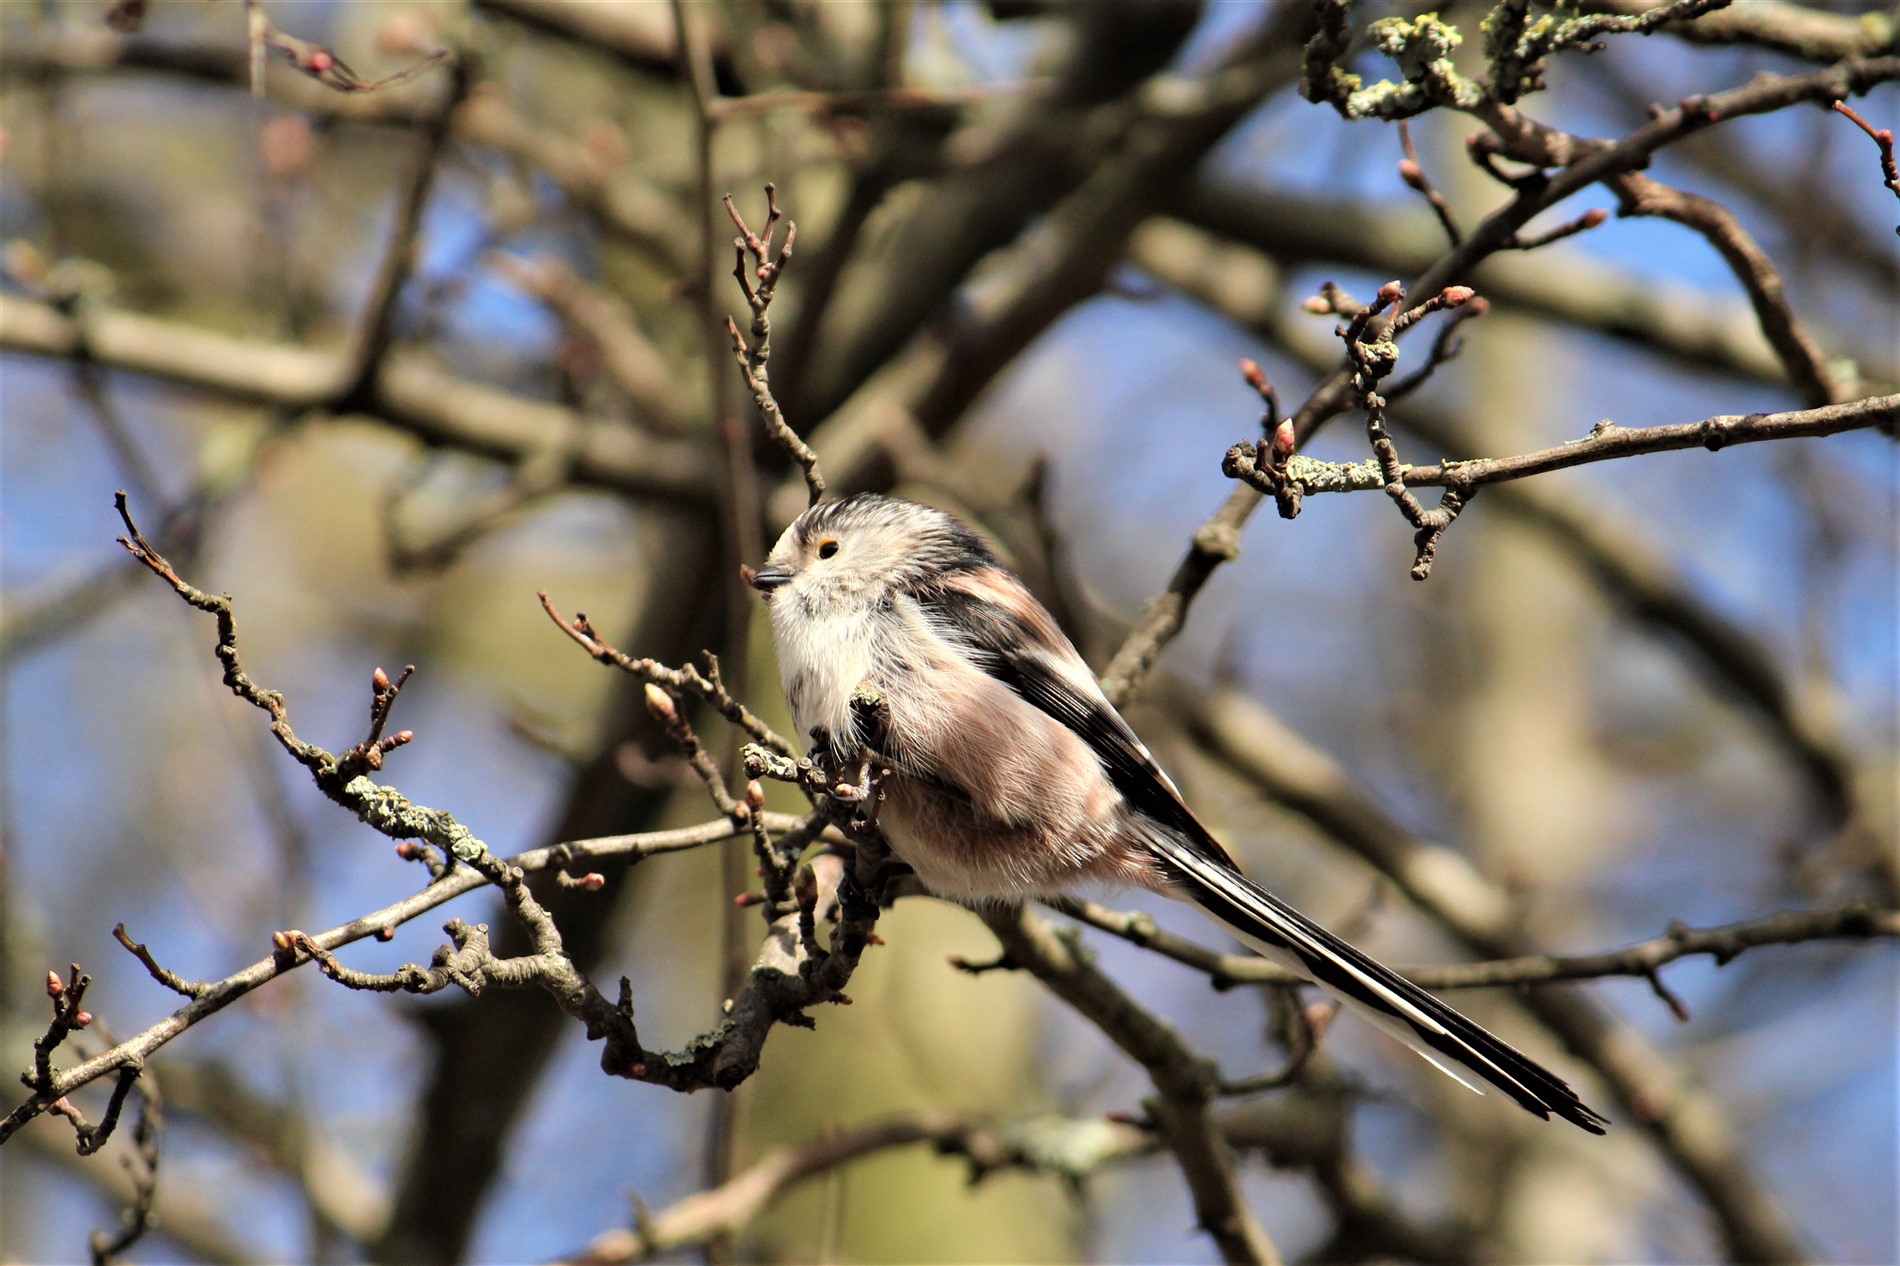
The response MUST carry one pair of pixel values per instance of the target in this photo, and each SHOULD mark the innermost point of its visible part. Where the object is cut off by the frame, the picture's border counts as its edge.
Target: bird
(1006, 773)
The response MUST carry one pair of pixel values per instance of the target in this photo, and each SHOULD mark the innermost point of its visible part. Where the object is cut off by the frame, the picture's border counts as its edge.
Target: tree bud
(1283, 441)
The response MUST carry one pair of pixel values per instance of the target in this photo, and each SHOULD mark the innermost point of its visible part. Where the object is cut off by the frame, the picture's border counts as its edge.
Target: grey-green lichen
(1517, 44)
(1314, 475)
(1421, 46)
(392, 813)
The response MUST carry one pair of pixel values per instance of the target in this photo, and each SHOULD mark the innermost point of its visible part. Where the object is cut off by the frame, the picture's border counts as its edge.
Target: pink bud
(280, 941)
(55, 987)
(385, 934)
(1593, 217)
(1411, 173)
(1317, 305)
(1283, 441)
(1457, 296)
(1390, 293)
(404, 736)
(321, 59)
(380, 680)
(81, 1019)
(592, 881)
(1255, 376)
(754, 795)
(660, 704)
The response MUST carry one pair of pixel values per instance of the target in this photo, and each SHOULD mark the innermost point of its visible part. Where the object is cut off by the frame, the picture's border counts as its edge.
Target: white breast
(822, 658)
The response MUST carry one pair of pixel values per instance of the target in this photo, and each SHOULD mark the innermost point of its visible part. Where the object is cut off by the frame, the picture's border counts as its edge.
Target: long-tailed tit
(1011, 776)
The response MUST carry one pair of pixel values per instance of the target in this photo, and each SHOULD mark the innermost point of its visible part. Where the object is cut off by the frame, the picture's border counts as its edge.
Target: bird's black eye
(827, 548)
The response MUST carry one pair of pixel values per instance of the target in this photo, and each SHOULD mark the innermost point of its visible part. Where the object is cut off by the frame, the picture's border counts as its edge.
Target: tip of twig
(660, 704)
(1284, 439)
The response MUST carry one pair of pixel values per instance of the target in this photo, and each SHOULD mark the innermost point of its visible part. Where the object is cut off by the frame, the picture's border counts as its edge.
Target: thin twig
(1802, 357)
(1069, 1148)
(373, 337)
(766, 267)
(1605, 442)
(208, 998)
(689, 680)
(1412, 172)
(1856, 922)
(1883, 139)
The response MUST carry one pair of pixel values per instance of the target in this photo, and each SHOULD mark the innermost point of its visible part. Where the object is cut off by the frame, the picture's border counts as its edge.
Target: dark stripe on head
(939, 543)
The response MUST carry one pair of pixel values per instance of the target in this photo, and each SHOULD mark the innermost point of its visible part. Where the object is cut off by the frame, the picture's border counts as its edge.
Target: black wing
(1016, 642)
(1026, 652)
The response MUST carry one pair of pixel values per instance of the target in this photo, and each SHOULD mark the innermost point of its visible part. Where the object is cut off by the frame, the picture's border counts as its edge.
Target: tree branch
(1858, 922)
(1807, 367)
(409, 393)
(1070, 1148)
(1184, 1080)
(1796, 29)
(1687, 1125)
(1606, 442)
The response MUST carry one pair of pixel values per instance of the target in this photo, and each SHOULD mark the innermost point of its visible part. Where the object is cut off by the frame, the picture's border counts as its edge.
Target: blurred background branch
(391, 315)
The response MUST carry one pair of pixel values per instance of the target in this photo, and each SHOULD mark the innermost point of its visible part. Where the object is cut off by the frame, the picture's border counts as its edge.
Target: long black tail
(1453, 1043)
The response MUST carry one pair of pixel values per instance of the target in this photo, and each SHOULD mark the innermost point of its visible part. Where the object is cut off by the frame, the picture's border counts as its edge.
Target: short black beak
(766, 579)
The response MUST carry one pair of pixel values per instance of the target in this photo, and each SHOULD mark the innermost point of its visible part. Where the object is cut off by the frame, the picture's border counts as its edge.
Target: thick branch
(1797, 29)
(410, 393)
